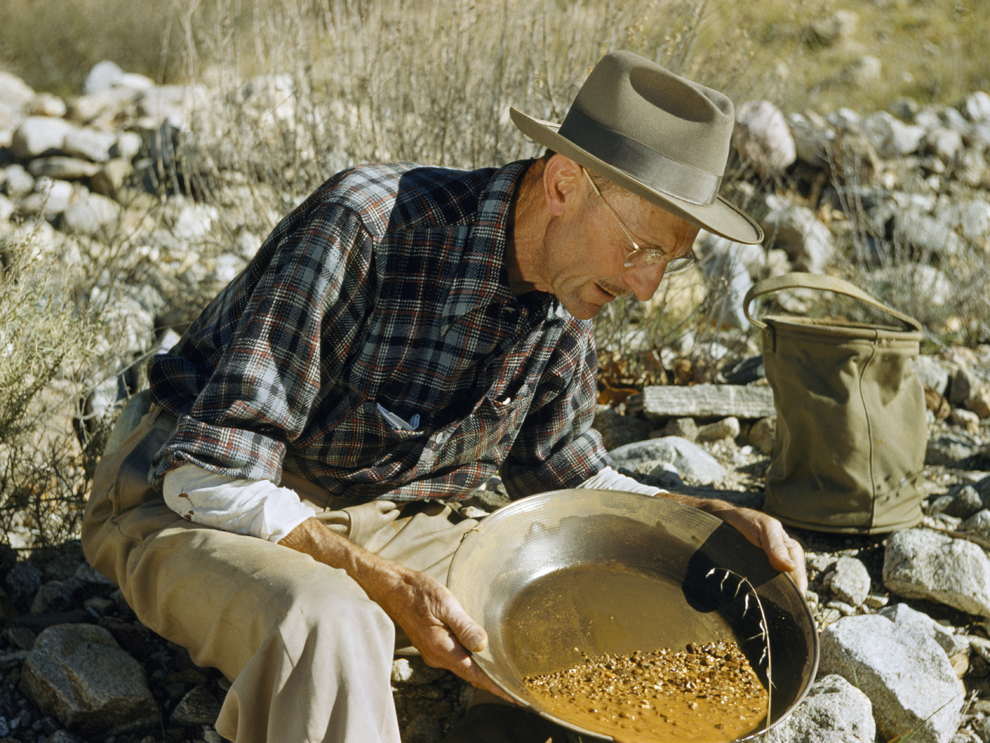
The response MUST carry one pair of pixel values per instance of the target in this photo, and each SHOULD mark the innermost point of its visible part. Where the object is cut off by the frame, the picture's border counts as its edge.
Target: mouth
(610, 296)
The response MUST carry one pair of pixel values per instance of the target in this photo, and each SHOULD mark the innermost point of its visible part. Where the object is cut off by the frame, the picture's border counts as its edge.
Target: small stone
(198, 707)
(686, 428)
(727, 428)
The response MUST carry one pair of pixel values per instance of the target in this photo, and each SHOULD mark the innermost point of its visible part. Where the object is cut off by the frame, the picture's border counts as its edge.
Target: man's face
(587, 249)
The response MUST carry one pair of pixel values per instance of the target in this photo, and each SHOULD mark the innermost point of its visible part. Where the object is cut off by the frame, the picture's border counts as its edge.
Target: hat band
(643, 163)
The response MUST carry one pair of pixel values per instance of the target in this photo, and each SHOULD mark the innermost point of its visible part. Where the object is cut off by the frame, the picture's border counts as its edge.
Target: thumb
(468, 632)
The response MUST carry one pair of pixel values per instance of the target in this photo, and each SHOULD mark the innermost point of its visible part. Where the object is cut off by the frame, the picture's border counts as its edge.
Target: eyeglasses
(643, 257)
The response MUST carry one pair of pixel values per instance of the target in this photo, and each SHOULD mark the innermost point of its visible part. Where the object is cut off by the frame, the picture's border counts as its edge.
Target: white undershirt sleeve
(609, 479)
(256, 507)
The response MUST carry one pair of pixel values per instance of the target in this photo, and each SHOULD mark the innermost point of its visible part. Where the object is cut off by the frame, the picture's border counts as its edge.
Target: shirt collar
(481, 275)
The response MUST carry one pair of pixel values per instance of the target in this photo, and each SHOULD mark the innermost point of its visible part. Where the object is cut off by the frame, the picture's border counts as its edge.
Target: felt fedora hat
(654, 133)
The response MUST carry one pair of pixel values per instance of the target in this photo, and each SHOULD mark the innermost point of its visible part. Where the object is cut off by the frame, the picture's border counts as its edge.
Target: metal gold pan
(597, 571)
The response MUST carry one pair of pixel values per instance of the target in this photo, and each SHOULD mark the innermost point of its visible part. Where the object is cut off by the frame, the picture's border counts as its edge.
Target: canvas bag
(851, 432)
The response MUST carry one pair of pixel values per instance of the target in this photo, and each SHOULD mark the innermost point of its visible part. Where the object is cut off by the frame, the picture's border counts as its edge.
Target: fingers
(785, 553)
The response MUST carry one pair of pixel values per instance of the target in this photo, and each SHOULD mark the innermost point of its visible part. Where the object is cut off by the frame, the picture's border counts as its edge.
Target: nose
(645, 280)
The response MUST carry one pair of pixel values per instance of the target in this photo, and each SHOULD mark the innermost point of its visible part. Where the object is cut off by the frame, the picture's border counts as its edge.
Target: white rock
(977, 106)
(796, 229)
(7, 208)
(46, 104)
(91, 215)
(90, 144)
(49, 197)
(103, 76)
(906, 675)
(834, 711)
(924, 564)
(762, 137)
(865, 71)
(947, 144)
(670, 453)
(14, 91)
(813, 136)
(128, 145)
(850, 581)
(60, 166)
(17, 181)
(39, 135)
(904, 616)
(892, 138)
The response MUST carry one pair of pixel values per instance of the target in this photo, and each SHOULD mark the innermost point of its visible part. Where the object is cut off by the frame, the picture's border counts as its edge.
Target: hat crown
(668, 114)
(655, 134)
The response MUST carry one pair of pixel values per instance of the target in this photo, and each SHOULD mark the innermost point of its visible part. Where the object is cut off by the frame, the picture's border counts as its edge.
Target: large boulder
(80, 675)
(906, 675)
(924, 564)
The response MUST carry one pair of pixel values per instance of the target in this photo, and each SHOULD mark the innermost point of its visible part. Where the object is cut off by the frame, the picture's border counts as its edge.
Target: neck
(527, 230)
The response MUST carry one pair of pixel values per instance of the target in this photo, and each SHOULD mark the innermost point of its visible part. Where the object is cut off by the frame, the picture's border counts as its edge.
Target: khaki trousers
(309, 655)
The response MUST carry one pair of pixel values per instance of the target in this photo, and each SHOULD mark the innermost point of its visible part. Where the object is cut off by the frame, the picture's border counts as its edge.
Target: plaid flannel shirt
(386, 288)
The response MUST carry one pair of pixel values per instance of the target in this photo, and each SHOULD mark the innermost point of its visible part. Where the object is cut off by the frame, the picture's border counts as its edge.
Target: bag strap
(822, 283)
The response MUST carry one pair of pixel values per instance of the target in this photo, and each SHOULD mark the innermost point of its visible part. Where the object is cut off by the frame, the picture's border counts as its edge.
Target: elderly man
(404, 335)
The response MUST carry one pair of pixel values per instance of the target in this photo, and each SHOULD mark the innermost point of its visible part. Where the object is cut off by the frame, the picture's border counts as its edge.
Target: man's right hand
(424, 608)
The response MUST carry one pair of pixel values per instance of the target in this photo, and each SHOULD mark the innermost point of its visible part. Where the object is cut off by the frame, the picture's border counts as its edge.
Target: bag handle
(822, 283)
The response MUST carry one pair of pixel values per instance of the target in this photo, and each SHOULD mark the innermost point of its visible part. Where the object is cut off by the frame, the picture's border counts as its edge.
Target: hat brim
(720, 218)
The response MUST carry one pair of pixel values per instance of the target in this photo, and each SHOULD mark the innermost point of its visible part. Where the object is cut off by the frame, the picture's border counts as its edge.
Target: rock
(102, 76)
(63, 168)
(128, 146)
(964, 503)
(7, 209)
(724, 267)
(55, 596)
(978, 524)
(14, 91)
(79, 674)
(49, 197)
(906, 675)
(38, 136)
(965, 419)
(687, 459)
(933, 373)
(836, 28)
(962, 386)
(946, 144)
(813, 137)
(796, 230)
(762, 434)
(923, 564)
(890, 137)
(46, 104)
(198, 707)
(90, 144)
(18, 183)
(413, 671)
(92, 215)
(904, 616)
(727, 428)
(618, 430)
(950, 449)
(850, 582)
(707, 401)
(926, 235)
(834, 711)
(977, 106)
(22, 582)
(686, 428)
(913, 279)
(762, 138)
(864, 72)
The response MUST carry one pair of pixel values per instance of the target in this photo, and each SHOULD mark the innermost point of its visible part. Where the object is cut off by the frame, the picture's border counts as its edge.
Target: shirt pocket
(363, 438)
(487, 434)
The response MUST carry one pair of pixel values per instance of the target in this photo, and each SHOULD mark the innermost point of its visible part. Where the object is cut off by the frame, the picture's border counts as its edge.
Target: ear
(561, 183)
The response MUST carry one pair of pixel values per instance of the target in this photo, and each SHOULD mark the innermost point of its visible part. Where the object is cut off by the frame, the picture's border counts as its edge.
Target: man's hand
(764, 531)
(426, 610)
